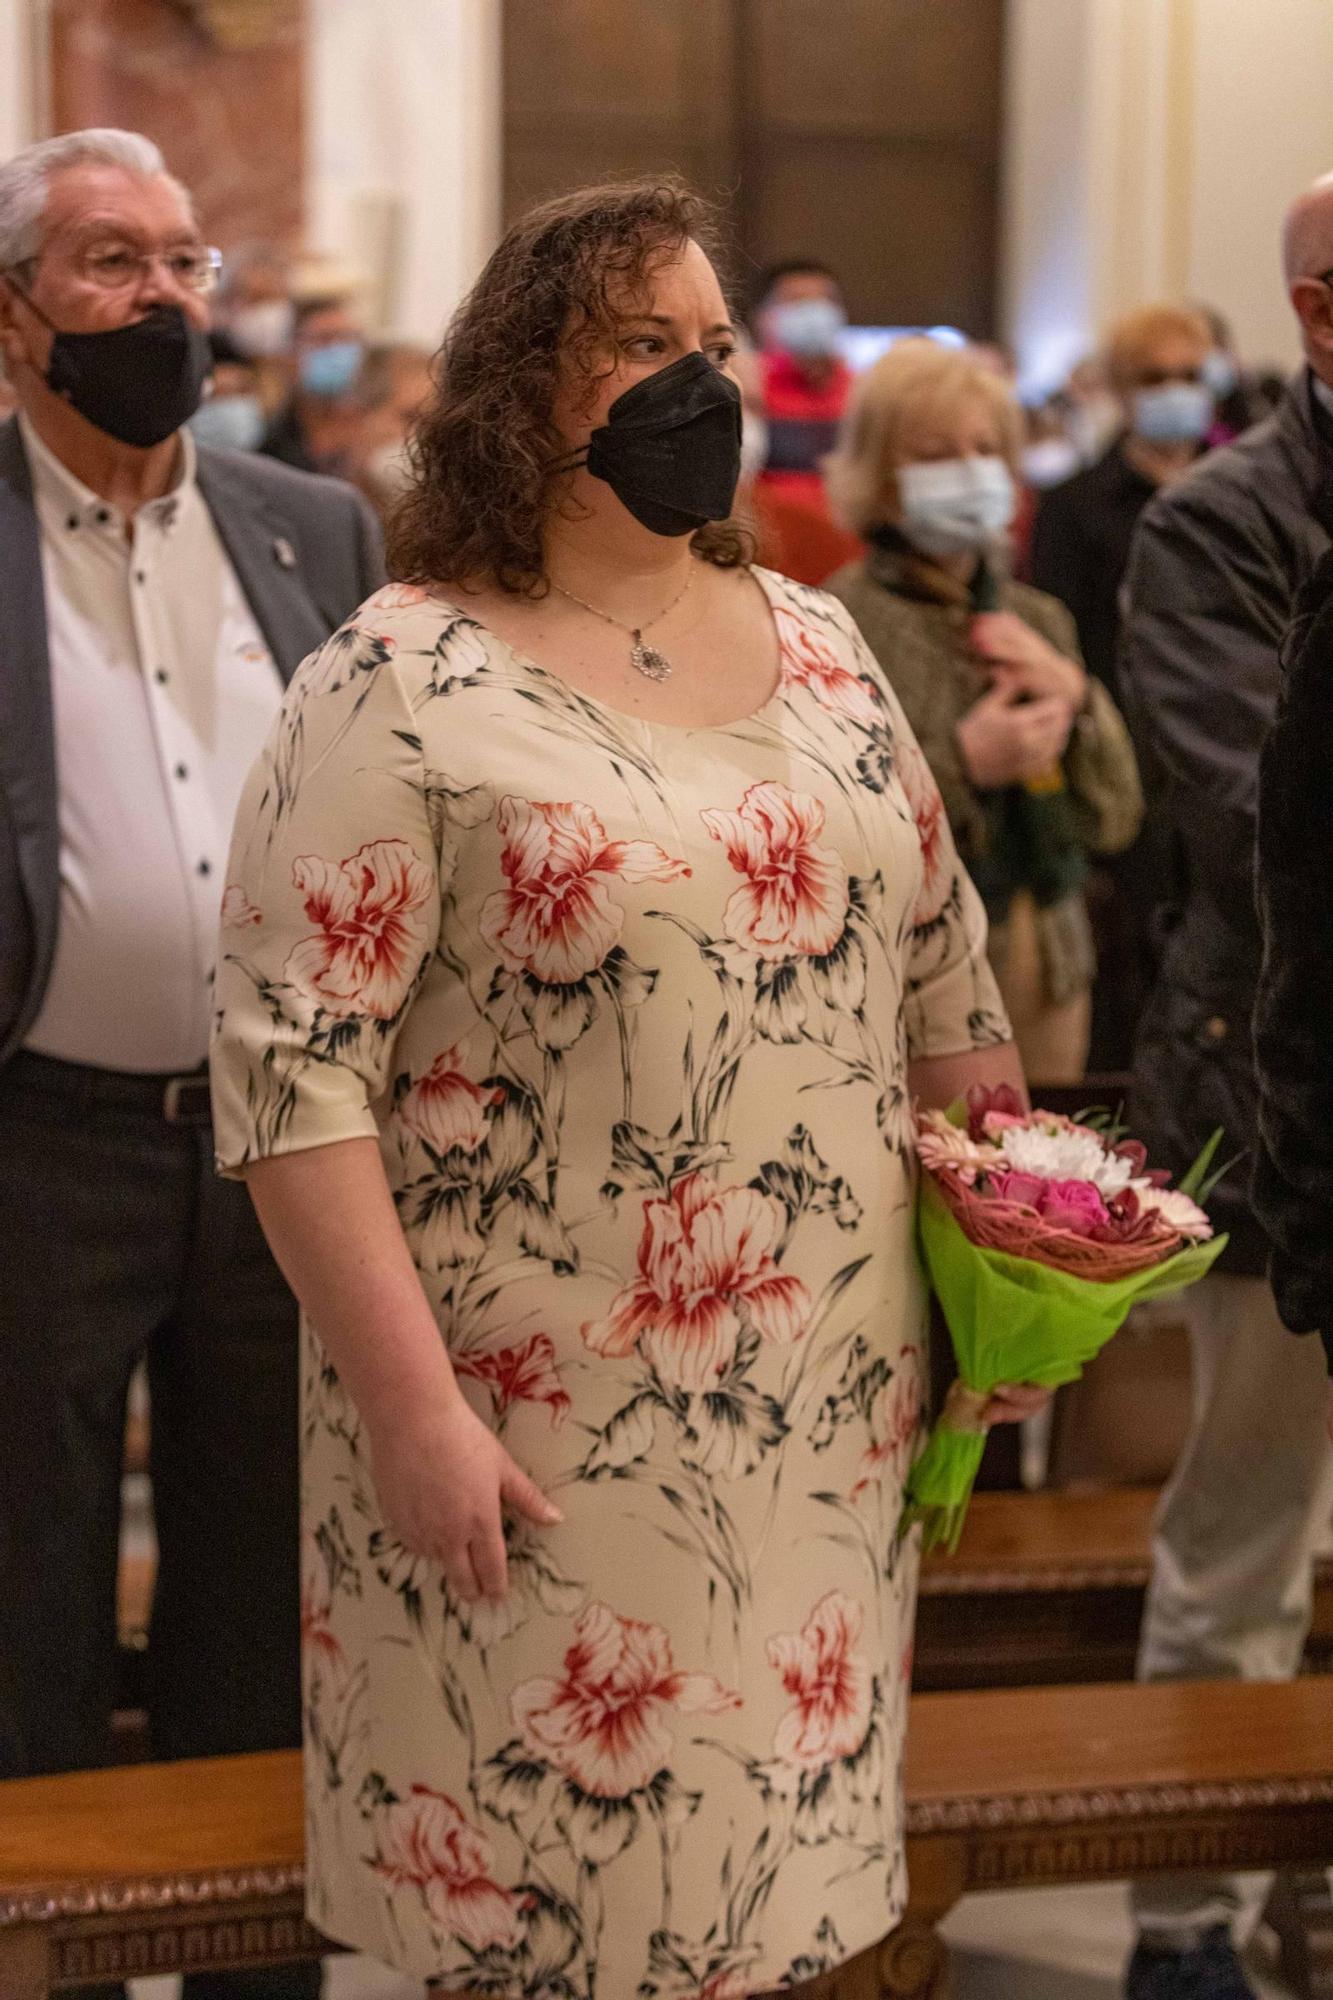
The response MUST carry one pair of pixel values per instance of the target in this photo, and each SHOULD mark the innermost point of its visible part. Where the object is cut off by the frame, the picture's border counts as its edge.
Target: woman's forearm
(936, 1081)
(330, 1220)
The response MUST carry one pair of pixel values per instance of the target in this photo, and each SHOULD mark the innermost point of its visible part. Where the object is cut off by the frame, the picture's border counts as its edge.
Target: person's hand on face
(1006, 738)
(1021, 658)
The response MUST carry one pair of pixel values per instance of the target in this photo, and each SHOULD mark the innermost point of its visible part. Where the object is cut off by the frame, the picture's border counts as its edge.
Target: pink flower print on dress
(370, 939)
(831, 1681)
(446, 1109)
(555, 919)
(603, 1723)
(895, 1424)
(429, 1845)
(317, 1634)
(706, 1268)
(923, 797)
(523, 1374)
(809, 661)
(238, 912)
(795, 894)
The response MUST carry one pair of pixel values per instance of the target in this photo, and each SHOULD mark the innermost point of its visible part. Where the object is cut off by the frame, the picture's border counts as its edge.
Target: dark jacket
(1080, 545)
(1293, 1023)
(1214, 572)
(305, 552)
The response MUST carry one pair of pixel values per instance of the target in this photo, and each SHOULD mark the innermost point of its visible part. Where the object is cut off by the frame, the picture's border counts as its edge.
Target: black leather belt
(175, 1100)
(185, 1100)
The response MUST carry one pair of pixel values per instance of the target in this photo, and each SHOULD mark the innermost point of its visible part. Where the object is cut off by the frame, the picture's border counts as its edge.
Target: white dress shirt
(164, 691)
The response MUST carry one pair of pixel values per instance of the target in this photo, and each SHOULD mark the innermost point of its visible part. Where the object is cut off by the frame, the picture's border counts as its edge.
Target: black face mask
(670, 449)
(137, 383)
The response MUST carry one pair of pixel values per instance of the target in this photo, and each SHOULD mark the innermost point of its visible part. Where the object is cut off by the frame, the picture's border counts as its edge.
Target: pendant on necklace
(646, 660)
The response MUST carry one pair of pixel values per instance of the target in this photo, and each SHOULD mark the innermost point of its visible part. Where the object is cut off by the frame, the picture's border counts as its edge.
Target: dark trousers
(119, 1244)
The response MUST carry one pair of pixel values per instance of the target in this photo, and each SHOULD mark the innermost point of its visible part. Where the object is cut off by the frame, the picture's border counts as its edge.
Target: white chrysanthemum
(1176, 1210)
(1067, 1155)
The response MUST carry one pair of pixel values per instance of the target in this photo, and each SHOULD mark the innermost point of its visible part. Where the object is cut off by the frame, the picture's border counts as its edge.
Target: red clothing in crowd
(803, 418)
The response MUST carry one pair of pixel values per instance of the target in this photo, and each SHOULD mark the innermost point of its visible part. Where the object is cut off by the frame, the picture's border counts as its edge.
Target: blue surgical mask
(330, 370)
(1220, 372)
(809, 328)
(956, 506)
(236, 423)
(1175, 413)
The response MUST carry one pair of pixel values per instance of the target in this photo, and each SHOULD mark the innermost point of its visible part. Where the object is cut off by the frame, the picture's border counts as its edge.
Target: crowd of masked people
(1085, 609)
(296, 374)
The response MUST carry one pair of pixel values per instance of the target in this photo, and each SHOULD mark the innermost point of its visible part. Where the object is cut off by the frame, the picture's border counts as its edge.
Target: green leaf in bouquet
(1010, 1321)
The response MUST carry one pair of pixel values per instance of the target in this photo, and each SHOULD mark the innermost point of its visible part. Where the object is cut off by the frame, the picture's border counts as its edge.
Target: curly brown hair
(485, 447)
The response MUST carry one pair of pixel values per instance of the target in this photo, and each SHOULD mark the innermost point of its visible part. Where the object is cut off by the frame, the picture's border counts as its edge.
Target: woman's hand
(442, 1484)
(1005, 738)
(1014, 1403)
(1025, 660)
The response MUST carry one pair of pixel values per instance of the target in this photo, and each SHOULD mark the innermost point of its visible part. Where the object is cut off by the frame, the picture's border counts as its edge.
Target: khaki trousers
(1241, 1518)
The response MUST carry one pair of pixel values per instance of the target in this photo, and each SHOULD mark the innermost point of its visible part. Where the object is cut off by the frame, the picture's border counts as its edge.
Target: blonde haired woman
(1032, 759)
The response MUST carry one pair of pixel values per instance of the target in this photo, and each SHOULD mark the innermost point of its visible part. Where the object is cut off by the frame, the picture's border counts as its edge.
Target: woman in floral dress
(591, 922)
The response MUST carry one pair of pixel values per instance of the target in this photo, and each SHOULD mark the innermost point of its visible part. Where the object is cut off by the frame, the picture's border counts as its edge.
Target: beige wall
(1263, 128)
(1151, 148)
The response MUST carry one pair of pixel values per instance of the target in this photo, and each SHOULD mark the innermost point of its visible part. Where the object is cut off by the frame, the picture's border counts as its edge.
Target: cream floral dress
(629, 1009)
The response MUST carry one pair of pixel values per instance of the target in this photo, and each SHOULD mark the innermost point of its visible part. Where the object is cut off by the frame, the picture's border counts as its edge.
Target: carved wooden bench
(1048, 1588)
(162, 1868)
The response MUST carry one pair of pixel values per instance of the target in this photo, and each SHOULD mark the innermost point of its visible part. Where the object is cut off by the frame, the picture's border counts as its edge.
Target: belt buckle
(185, 1101)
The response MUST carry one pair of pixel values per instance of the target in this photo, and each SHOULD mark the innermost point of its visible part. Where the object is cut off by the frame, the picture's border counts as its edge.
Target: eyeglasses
(195, 269)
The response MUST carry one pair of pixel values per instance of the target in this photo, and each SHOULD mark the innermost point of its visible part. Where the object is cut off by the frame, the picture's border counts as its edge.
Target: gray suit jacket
(305, 550)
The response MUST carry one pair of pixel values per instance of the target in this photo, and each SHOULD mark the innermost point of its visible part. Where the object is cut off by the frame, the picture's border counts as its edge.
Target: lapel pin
(285, 553)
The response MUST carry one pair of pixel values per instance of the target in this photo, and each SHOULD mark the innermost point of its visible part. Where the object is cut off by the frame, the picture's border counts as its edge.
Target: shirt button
(1216, 1028)
(181, 771)
(102, 516)
(204, 868)
(161, 676)
(141, 576)
(72, 521)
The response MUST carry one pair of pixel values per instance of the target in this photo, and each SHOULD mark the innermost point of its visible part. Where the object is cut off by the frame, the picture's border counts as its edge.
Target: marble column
(404, 149)
(19, 82)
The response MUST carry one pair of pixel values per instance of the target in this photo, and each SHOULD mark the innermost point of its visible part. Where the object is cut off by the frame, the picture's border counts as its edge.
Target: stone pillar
(404, 147)
(1151, 148)
(19, 80)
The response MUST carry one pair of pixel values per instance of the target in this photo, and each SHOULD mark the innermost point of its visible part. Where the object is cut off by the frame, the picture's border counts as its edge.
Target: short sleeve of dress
(330, 913)
(951, 1003)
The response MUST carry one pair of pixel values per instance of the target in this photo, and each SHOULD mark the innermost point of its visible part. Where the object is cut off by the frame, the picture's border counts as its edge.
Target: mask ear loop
(27, 298)
(569, 461)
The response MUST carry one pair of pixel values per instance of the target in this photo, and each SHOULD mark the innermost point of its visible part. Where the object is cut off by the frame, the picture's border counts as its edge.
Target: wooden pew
(160, 1868)
(1048, 1588)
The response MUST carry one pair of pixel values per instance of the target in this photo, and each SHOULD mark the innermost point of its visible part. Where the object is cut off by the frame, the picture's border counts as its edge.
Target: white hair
(25, 179)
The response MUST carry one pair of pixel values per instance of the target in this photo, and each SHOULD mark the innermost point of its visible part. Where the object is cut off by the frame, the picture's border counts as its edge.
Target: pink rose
(1072, 1205)
(1025, 1188)
(1075, 1205)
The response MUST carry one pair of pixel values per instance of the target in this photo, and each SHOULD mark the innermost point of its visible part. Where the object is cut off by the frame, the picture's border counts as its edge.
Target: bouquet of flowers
(1039, 1233)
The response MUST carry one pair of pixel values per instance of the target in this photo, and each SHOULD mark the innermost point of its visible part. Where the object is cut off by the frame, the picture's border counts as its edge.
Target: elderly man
(1214, 572)
(154, 596)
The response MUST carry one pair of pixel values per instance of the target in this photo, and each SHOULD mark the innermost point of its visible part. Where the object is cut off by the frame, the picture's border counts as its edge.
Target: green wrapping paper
(1011, 1321)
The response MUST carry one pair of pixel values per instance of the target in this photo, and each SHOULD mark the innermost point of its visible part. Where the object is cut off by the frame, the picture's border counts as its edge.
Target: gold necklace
(645, 660)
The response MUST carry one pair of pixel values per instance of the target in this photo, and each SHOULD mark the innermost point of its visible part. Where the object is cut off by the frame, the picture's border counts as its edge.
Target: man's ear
(16, 332)
(1312, 303)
